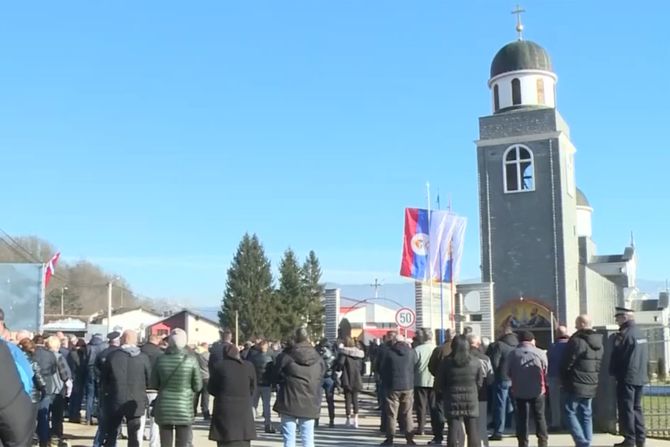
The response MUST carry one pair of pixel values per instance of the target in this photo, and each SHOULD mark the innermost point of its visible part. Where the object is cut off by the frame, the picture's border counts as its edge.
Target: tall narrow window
(516, 91)
(496, 98)
(540, 91)
(518, 169)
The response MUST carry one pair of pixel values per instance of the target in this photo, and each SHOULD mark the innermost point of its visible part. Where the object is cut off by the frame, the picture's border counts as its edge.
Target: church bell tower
(527, 194)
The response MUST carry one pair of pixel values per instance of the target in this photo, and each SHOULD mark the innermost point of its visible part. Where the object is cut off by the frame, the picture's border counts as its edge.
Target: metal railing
(656, 400)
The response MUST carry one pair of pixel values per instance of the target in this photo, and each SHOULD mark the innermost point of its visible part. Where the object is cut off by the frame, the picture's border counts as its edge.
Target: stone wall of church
(599, 297)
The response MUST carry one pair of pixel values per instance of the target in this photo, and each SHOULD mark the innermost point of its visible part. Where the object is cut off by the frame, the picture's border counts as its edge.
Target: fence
(656, 400)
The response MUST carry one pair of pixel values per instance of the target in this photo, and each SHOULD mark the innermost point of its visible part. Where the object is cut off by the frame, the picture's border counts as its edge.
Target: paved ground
(366, 435)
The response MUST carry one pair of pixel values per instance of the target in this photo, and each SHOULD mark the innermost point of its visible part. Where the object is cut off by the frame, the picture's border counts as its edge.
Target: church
(539, 265)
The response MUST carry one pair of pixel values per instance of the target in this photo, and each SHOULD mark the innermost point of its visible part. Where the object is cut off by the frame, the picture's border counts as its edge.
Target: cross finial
(519, 26)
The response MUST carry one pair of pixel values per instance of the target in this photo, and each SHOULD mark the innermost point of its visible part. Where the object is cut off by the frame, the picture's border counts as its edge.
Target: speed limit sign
(405, 317)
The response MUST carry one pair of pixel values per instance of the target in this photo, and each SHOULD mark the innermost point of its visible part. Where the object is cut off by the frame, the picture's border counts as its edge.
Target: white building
(136, 318)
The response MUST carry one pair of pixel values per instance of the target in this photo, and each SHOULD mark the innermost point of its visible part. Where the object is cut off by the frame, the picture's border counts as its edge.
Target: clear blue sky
(149, 136)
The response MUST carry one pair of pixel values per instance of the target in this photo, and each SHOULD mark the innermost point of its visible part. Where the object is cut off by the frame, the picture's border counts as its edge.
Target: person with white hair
(177, 378)
(62, 379)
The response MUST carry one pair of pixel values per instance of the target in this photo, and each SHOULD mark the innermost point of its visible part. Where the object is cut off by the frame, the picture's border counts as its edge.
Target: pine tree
(314, 292)
(249, 292)
(291, 304)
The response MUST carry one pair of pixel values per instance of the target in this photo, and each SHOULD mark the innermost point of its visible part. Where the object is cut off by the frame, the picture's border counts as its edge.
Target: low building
(135, 318)
(198, 327)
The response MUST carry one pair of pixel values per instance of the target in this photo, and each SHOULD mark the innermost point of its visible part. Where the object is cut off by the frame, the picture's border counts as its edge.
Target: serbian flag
(50, 268)
(433, 245)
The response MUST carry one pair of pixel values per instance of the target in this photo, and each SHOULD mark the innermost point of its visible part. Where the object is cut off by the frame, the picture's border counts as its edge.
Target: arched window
(496, 98)
(516, 91)
(518, 169)
(540, 91)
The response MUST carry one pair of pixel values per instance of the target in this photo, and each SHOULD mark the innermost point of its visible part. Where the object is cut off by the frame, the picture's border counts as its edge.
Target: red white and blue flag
(433, 245)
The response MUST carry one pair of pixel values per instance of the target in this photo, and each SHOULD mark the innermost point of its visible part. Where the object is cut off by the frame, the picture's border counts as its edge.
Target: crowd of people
(467, 387)
(475, 387)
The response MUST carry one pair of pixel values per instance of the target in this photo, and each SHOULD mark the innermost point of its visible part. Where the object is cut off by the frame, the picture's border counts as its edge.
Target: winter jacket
(125, 376)
(580, 367)
(64, 376)
(439, 354)
(499, 352)
(326, 353)
(398, 368)
(94, 347)
(76, 360)
(177, 378)
(39, 386)
(555, 357)
(527, 367)
(202, 356)
(152, 352)
(22, 366)
(299, 372)
(49, 369)
(232, 383)
(17, 414)
(460, 385)
(422, 376)
(263, 363)
(349, 362)
(487, 373)
(630, 356)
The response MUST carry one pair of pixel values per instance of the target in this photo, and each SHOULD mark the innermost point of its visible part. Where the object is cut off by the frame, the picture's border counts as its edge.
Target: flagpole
(451, 279)
(430, 266)
(442, 337)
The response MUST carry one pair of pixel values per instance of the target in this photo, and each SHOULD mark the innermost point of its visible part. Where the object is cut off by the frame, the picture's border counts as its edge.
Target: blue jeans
(288, 427)
(91, 390)
(578, 417)
(43, 430)
(501, 405)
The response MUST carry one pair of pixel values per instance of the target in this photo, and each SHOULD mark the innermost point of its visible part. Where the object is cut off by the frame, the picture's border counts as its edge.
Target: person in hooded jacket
(17, 413)
(177, 378)
(125, 378)
(49, 369)
(325, 349)
(579, 372)
(299, 372)
(349, 362)
(95, 346)
(232, 383)
(460, 376)
(398, 377)
(499, 352)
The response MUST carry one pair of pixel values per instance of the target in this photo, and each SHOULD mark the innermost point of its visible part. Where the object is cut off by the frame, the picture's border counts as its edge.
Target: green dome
(520, 55)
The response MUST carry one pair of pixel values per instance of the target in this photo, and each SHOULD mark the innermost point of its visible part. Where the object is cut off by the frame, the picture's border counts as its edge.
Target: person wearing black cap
(628, 365)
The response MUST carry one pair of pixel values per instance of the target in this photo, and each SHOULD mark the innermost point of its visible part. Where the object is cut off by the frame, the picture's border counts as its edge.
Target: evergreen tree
(292, 310)
(314, 291)
(249, 292)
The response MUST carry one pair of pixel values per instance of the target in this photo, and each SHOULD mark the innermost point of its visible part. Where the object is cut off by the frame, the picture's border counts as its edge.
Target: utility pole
(62, 296)
(377, 285)
(109, 307)
(237, 328)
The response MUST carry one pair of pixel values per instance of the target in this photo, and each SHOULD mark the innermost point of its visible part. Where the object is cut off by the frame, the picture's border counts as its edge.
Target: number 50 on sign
(405, 318)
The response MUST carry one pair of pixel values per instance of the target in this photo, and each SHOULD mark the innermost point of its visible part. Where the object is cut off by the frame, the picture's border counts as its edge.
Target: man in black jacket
(579, 372)
(298, 372)
(263, 364)
(498, 353)
(152, 350)
(125, 377)
(628, 365)
(382, 351)
(17, 414)
(397, 371)
(487, 375)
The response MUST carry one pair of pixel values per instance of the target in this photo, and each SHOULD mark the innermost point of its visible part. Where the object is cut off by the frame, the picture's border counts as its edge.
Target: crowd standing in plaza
(467, 387)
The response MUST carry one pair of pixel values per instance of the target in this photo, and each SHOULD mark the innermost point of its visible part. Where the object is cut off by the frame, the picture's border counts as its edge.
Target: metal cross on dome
(519, 26)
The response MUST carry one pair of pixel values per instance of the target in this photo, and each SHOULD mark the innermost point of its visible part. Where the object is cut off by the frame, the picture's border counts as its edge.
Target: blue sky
(149, 136)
